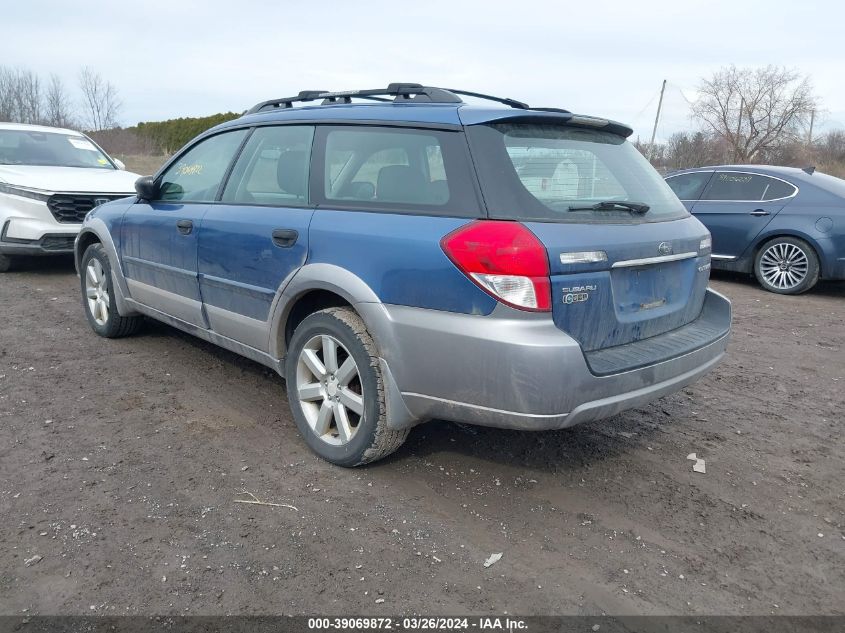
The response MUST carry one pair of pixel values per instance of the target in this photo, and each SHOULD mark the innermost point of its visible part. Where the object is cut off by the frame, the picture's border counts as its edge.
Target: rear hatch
(626, 259)
(653, 279)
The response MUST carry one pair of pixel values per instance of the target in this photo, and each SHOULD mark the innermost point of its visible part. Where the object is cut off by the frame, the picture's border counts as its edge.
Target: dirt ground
(121, 462)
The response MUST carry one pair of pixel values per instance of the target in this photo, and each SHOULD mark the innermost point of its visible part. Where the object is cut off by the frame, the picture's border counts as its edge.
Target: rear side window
(380, 168)
(196, 175)
(740, 186)
(272, 168)
(689, 186)
(544, 172)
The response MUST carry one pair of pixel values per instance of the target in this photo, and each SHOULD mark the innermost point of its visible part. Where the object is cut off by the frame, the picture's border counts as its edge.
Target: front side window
(272, 168)
(196, 175)
(740, 186)
(689, 186)
(553, 172)
(52, 149)
(376, 168)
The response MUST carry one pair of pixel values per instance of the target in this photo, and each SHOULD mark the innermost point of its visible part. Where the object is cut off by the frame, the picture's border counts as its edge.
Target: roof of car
(771, 170)
(796, 175)
(27, 127)
(423, 113)
(411, 103)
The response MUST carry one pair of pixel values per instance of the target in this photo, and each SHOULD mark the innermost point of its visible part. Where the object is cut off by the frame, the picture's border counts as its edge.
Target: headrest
(291, 172)
(401, 183)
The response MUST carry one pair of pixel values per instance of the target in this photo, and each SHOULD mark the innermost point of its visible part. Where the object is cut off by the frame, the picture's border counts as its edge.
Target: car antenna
(810, 170)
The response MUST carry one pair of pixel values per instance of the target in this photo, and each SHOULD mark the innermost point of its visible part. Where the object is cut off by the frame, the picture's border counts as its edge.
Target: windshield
(54, 149)
(567, 174)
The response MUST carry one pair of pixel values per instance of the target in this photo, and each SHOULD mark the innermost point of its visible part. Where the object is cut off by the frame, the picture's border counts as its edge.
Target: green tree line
(168, 136)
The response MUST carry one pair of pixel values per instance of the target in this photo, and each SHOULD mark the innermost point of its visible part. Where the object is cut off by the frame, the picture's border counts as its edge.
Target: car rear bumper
(517, 370)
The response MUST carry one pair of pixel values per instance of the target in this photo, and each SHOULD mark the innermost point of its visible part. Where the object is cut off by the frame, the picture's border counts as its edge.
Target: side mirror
(119, 164)
(146, 188)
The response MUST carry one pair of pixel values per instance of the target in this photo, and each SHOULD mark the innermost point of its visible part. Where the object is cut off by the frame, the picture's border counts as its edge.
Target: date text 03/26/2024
(418, 624)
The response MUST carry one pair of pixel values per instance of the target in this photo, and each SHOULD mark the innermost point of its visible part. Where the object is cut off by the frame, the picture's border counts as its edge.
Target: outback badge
(577, 294)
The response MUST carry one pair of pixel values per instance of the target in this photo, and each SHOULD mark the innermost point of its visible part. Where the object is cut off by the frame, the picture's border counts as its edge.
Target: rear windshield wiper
(614, 205)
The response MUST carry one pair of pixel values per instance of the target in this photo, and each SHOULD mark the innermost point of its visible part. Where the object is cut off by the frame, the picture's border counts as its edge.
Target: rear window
(551, 172)
(742, 186)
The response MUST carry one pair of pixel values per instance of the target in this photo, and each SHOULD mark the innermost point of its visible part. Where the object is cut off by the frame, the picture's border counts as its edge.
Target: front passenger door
(159, 245)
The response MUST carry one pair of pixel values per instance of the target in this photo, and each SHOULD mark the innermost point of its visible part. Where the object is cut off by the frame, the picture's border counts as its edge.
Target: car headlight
(23, 192)
(706, 244)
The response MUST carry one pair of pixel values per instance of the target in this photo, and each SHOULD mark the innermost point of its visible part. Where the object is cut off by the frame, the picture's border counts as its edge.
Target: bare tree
(100, 100)
(7, 91)
(755, 110)
(57, 104)
(30, 97)
(694, 149)
(20, 96)
(830, 147)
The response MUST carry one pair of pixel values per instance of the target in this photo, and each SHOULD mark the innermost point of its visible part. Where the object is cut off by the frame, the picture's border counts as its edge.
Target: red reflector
(504, 259)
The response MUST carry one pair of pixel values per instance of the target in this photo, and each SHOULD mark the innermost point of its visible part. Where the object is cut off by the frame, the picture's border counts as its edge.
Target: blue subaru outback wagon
(416, 257)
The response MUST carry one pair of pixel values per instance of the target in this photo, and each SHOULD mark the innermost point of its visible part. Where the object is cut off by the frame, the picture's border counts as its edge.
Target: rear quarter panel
(823, 227)
(398, 257)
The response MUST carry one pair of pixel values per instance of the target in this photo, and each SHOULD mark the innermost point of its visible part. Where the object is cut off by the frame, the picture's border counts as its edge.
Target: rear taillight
(504, 259)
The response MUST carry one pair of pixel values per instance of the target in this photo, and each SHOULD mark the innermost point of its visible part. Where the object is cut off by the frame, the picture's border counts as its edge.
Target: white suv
(49, 179)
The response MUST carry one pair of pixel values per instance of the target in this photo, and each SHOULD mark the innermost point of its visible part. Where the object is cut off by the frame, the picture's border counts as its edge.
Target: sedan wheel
(787, 266)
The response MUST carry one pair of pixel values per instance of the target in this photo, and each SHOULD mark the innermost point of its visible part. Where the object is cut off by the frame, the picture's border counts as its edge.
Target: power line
(645, 107)
(680, 90)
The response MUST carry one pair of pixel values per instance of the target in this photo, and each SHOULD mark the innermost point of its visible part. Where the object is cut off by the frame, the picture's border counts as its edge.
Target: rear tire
(787, 266)
(98, 296)
(7, 263)
(335, 389)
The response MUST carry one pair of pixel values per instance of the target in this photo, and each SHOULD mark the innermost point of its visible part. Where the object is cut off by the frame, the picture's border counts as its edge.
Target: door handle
(759, 212)
(185, 226)
(285, 238)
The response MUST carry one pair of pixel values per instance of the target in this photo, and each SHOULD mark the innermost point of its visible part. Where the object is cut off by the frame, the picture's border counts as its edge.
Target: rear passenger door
(256, 237)
(736, 206)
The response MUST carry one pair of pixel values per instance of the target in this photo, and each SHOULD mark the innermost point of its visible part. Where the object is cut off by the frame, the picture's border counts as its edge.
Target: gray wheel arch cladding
(355, 291)
(310, 277)
(98, 229)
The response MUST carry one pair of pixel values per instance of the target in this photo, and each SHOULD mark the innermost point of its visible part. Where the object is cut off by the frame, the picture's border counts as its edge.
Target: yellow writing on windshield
(184, 169)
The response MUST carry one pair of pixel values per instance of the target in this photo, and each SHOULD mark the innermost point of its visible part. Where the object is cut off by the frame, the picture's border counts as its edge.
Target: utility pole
(656, 119)
(812, 120)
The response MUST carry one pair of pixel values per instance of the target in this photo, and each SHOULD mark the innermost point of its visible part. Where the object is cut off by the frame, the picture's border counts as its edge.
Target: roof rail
(511, 102)
(400, 92)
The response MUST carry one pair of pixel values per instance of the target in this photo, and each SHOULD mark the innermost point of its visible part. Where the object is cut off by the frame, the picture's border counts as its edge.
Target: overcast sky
(171, 58)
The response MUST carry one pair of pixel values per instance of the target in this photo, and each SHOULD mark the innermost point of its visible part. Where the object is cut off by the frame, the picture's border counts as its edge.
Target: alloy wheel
(784, 266)
(329, 388)
(97, 292)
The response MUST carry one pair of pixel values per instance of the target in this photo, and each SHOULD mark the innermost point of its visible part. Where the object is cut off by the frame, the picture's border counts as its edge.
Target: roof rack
(400, 92)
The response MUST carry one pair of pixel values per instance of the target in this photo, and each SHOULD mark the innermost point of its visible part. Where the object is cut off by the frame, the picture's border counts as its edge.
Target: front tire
(98, 296)
(6, 263)
(335, 389)
(787, 266)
